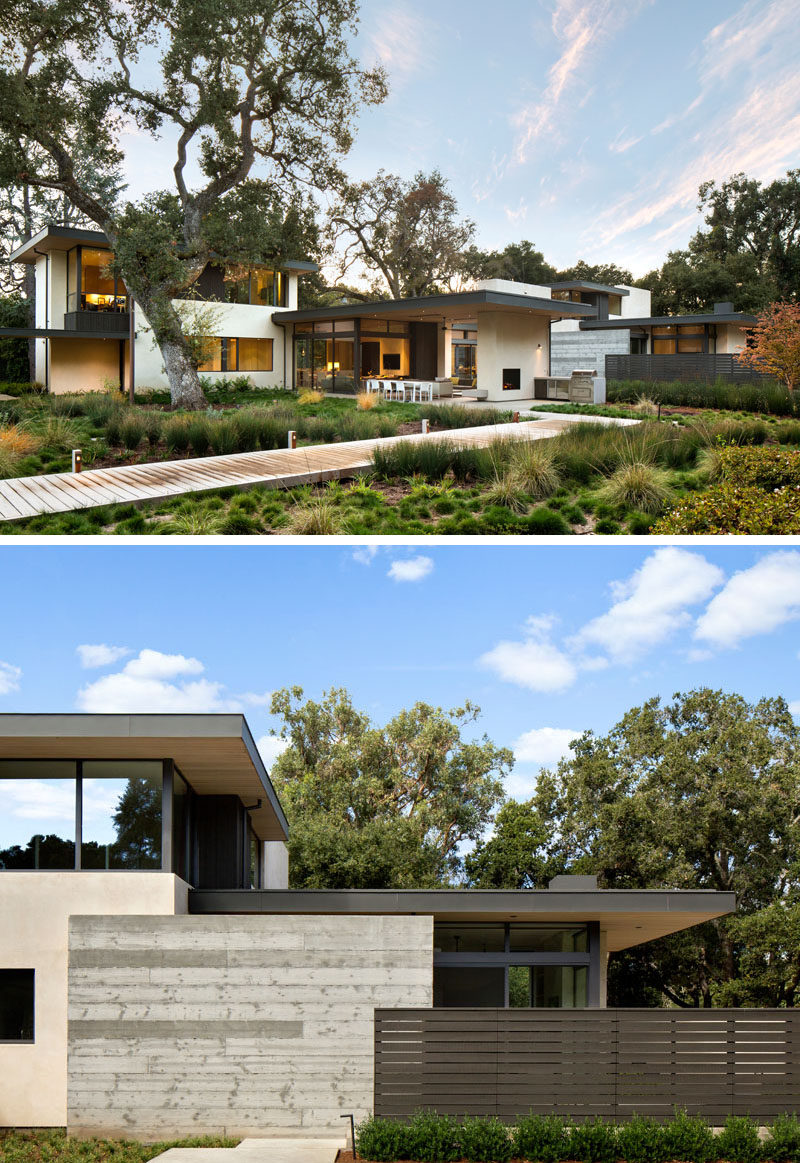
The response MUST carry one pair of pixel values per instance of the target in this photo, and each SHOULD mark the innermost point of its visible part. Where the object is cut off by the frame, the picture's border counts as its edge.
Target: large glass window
(256, 285)
(465, 363)
(37, 814)
(230, 354)
(121, 814)
(468, 988)
(100, 289)
(16, 1005)
(541, 939)
(469, 938)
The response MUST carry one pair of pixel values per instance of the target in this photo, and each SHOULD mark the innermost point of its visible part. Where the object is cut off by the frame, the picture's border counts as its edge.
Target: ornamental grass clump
(310, 396)
(535, 469)
(200, 435)
(59, 433)
(317, 517)
(9, 462)
(544, 1138)
(175, 432)
(131, 431)
(505, 490)
(17, 440)
(366, 401)
(637, 485)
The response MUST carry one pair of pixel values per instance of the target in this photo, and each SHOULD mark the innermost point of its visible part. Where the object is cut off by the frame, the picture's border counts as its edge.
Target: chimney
(569, 882)
(723, 308)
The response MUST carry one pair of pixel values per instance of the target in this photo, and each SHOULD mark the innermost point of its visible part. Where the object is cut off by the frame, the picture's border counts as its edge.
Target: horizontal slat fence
(689, 367)
(585, 1063)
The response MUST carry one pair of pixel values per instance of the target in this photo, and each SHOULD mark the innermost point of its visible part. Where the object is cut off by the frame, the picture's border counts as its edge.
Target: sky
(585, 126)
(549, 640)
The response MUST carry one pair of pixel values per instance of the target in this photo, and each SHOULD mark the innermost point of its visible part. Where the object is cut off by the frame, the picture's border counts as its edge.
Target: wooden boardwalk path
(284, 468)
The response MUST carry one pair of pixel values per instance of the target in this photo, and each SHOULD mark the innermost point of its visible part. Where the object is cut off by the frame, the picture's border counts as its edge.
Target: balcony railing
(103, 322)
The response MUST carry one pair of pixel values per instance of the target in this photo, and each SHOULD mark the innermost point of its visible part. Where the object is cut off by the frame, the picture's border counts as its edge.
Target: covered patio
(337, 349)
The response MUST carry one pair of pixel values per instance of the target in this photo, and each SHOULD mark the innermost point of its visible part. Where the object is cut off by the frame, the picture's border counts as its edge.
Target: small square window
(16, 1005)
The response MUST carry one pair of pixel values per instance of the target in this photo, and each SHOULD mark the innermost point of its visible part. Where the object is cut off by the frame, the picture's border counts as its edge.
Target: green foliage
(593, 1142)
(765, 396)
(485, 1140)
(14, 366)
(739, 1142)
(382, 1140)
(433, 1138)
(382, 806)
(544, 1138)
(783, 1142)
(689, 1139)
(53, 1146)
(131, 431)
(637, 485)
(544, 522)
(641, 1140)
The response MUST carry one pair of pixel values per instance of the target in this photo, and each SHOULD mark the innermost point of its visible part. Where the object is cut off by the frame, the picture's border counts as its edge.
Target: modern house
(159, 977)
(89, 334)
(573, 346)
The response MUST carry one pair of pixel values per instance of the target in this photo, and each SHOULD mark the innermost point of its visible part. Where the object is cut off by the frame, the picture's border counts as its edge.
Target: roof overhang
(300, 266)
(464, 305)
(216, 753)
(57, 333)
(57, 238)
(629, 916)
(736, 317)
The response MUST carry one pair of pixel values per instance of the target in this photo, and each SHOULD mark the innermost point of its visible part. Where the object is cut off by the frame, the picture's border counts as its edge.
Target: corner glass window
(469, 938)
(37, 814)
(615, 304)
(539, 939)
(121, 814)
(16, 1005)
(100, 290)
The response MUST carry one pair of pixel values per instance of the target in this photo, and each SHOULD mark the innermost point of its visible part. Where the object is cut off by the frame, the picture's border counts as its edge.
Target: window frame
(22, 1041)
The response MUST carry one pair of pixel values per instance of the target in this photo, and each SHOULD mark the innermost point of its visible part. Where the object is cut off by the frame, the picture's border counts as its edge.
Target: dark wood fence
(690, 367)
(584, 1063)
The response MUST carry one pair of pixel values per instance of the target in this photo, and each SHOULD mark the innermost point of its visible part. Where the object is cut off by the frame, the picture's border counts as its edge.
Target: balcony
(102, 322)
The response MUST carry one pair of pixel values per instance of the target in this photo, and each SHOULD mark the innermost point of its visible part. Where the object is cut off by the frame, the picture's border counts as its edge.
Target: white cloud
(652, 604)
(270, 747)
(39, 799)
(100, 655)
(411, 569)
(582, 28)
(544, 745)
(754, 601)
(400, 42)
(9, 678)
(535, 662)
(154, 682)
(365, 554)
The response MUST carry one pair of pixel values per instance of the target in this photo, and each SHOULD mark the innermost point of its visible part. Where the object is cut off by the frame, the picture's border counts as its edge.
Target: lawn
(38, 432)
(55, 1147)
(695, 477)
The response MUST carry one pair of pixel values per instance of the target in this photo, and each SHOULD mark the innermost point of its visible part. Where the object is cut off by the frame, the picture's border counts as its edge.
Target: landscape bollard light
(292, 439)
(352, 1143)
(424, 427)
(77, 460)
(516, 417)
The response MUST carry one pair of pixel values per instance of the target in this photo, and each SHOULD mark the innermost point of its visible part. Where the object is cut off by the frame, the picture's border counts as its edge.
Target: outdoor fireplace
(511, 379)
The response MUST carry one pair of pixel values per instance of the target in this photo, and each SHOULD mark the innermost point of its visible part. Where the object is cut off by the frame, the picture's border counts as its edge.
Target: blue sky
(585, 126)
(547, 640)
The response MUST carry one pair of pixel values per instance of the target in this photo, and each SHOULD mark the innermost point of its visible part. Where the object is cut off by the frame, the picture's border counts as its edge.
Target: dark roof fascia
(583, 285)
(263, 775)
(300, 265)
(57, 333)
(666, 320)
(70, 233)
(443, 902)
(555, 307)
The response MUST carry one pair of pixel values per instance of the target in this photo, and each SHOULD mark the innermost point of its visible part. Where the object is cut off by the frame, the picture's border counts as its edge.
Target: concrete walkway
(271, 1150)
(64, 492)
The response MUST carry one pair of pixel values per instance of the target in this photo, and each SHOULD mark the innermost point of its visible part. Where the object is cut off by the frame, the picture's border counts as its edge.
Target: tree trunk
(184, 382)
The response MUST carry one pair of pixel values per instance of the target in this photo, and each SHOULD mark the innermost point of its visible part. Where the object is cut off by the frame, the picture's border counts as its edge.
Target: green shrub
(738, 1141)
(544, 1138)
(689, 1139)
(606, 526)
(593, 1142)
(497, 519)
(152, 423)
(238, 525)
(433, 1138)
(471, 464)
(485, 1140)
(641, 1140)
(382, 1140)
(505, 490)
(783, 1142)
(788, 433)
(767, 397)
(544, 522)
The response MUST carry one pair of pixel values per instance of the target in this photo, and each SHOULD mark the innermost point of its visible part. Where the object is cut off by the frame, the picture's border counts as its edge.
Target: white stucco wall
(508, 340)
(636, 305)
(730, 339)
(510, 287)
(35, 908)
(83, 365)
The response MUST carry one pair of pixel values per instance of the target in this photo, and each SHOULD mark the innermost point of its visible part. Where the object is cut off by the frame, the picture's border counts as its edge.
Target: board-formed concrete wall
(585, 349)
(236, 1024)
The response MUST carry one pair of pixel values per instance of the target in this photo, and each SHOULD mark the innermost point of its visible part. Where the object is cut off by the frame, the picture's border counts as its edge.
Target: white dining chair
(424, 390)
(388, 389)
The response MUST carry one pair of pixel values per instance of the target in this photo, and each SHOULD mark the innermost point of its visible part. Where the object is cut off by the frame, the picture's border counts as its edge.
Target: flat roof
(216, 752)
(52, 238)
(435, 308)
(585, 285)
(667, 320)
(630, 916)
(58, 333)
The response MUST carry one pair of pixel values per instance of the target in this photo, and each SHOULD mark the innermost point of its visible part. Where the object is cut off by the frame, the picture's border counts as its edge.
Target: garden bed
(54, 1146)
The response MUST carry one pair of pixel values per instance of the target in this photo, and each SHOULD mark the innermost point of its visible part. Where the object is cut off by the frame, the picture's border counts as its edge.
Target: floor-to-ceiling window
(507, 964)
(324, 356)
(385, 349)
(465, 360)
(91, 284)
